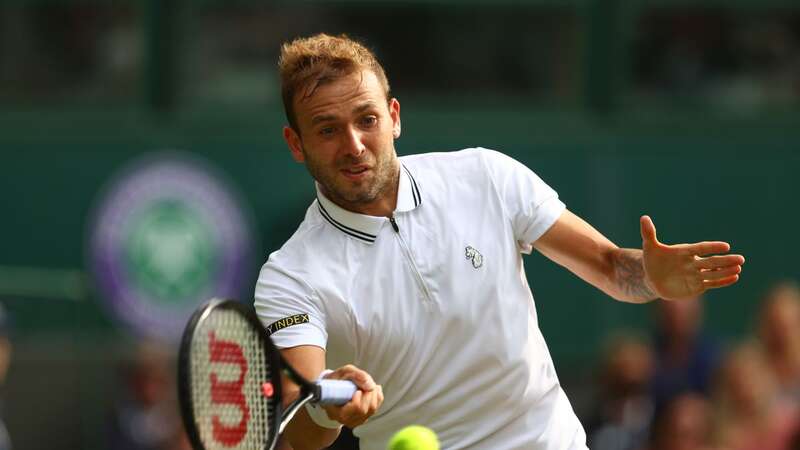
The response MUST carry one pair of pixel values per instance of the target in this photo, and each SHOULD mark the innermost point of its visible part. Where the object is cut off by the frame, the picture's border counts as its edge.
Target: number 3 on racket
(229, 383)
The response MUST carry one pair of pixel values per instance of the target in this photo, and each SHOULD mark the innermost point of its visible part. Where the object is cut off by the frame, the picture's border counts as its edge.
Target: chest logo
(474, 255)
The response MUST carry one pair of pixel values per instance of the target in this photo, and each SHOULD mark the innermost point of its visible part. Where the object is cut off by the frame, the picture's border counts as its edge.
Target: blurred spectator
(779, 334)
(624, 407)
(685, 356)
(683, 424)
(750, 415)
(146, 417)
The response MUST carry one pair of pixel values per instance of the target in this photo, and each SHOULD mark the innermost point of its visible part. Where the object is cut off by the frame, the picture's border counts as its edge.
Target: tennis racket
(229, 381)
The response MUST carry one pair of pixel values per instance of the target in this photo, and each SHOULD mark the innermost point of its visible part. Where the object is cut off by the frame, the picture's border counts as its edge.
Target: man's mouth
(355, 171)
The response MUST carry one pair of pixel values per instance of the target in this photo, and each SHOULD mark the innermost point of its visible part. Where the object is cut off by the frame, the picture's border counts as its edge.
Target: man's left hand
(681, 271)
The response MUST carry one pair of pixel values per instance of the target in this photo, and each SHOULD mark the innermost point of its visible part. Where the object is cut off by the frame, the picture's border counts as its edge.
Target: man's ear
(394, 112)
(294, 143)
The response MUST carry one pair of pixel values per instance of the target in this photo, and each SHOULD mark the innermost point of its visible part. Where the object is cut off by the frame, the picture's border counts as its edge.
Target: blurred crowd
(684, 389)
(145, 416)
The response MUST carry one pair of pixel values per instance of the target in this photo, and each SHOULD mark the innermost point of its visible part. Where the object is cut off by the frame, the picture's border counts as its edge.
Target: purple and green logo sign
(168, 234)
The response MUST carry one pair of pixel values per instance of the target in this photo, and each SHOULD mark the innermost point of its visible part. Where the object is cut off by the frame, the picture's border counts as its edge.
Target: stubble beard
(354, 196)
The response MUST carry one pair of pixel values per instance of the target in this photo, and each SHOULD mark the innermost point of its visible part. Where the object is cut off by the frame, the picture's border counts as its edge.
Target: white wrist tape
(318, 413)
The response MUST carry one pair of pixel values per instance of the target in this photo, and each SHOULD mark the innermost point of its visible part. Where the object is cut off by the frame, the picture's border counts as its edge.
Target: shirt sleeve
(529, 203)
(289, 309)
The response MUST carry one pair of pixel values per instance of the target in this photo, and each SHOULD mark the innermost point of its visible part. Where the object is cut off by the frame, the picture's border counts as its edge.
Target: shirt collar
(408, 196)
(363, 227)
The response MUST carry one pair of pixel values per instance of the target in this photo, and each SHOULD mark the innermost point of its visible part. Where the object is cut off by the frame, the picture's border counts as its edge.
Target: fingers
(708, 248)
(719, 274)
(360, 408)
(365, 402)
(717, 262)
(362, 379)
(719, 271)
(713, 284)
(648, 230)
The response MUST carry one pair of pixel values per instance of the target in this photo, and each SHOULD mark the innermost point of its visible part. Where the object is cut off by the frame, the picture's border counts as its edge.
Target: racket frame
(280, 416)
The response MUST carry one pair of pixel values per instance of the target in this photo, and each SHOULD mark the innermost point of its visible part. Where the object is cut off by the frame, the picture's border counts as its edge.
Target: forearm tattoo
(629, 274)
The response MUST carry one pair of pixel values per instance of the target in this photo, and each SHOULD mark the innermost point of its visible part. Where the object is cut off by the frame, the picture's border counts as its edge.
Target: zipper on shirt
(410, 259)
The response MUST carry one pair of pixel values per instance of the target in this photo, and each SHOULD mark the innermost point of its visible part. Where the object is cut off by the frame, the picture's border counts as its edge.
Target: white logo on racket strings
(474, 255)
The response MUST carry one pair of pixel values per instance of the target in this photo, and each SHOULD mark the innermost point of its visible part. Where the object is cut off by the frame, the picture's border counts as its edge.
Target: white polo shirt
(436, 306)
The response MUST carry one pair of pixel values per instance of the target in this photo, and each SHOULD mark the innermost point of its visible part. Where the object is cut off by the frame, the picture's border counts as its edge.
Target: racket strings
(228, 370)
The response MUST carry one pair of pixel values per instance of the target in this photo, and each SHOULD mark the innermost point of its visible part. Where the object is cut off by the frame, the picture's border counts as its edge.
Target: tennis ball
(414, 437)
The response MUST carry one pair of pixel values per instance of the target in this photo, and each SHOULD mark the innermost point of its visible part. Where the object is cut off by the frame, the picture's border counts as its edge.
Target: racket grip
(335, 392)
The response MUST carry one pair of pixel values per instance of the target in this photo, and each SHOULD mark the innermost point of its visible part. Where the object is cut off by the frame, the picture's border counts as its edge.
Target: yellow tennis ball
(414, 437)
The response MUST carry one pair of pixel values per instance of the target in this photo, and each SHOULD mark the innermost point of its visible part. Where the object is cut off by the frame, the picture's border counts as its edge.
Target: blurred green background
(685, 110)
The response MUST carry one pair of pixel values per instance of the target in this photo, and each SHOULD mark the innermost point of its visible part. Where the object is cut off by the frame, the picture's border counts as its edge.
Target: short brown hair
(316, 60)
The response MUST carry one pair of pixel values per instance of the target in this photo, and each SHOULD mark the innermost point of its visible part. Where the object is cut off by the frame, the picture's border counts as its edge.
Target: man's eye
(327, 131)
(369, 121)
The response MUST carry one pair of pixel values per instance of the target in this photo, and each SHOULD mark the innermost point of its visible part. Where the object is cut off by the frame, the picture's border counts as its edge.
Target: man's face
(346, 140)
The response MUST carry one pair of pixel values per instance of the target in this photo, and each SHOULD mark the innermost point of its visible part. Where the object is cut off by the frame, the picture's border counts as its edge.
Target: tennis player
(406, 274)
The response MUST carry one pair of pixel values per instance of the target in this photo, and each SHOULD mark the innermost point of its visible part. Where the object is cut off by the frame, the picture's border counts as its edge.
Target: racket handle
(335, 392)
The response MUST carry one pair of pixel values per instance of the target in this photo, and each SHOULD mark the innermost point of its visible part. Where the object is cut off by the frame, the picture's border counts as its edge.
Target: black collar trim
(369, 238)
(415, 188)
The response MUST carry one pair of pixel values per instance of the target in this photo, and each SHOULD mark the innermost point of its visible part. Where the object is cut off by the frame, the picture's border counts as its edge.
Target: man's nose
(354, 144)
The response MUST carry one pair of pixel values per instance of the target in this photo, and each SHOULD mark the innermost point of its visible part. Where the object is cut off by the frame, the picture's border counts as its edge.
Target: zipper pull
(394, 224)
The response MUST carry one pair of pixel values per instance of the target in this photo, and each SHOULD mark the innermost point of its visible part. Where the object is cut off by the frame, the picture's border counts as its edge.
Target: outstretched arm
(668, 271)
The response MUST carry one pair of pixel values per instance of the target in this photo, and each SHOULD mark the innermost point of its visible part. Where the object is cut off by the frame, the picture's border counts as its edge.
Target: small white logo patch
(474, 255)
